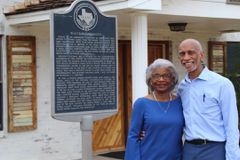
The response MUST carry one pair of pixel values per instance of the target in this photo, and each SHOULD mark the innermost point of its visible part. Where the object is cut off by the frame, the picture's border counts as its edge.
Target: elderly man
(209, 107)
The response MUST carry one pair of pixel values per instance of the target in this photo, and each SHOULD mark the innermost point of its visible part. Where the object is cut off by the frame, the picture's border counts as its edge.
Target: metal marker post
(86, 126)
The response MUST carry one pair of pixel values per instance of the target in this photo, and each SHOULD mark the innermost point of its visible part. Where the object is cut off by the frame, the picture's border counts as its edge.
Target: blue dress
(163, 130)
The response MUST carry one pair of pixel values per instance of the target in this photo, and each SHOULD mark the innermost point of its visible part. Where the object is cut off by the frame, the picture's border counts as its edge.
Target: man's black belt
(201, 141)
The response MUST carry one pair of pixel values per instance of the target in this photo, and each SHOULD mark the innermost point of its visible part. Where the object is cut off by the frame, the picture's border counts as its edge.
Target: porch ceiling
(160, 22)
(194, 24)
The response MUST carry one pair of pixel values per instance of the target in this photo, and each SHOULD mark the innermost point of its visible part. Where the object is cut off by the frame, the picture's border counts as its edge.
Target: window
(21, 70)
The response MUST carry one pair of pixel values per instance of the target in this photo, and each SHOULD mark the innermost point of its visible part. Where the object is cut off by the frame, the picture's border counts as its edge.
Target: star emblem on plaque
(85, 16)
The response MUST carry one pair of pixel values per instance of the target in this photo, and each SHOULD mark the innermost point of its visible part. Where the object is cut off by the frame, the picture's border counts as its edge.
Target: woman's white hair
(164, 64)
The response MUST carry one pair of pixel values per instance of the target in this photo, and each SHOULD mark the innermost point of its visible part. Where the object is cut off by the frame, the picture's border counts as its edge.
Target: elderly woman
(160, 115)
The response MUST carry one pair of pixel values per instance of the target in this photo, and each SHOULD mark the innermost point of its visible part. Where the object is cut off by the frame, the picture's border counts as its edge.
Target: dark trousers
(210, 151)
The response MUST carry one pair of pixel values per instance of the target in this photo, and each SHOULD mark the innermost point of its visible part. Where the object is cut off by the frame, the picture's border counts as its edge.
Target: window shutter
(217, 56)
(233, 2)
(21, 70)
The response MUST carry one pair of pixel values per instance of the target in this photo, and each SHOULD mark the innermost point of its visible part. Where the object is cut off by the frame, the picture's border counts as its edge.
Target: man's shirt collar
(203, 75)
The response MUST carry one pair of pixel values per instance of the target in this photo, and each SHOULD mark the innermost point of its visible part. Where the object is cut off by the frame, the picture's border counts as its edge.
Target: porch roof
(201, 16)
(37, 5)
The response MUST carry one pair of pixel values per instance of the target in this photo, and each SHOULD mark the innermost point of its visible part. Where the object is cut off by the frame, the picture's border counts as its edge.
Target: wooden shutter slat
(21, 83)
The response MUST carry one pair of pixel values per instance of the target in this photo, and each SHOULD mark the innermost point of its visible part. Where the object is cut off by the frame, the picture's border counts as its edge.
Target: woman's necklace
(166, 109)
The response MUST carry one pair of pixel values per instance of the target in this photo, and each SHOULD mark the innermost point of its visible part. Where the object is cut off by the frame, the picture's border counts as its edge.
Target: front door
(158, 49)
(110, 133)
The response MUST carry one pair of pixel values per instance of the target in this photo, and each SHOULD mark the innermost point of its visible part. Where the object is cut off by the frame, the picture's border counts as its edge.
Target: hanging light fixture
(177, 27)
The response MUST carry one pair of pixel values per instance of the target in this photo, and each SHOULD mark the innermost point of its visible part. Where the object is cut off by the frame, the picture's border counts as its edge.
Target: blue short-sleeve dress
(163, 124)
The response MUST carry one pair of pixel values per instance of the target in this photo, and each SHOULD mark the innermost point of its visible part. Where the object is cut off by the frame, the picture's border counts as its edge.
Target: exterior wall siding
(53, 139)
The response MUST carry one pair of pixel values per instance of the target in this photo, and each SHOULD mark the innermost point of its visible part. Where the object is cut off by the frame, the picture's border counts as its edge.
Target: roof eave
(103, 6)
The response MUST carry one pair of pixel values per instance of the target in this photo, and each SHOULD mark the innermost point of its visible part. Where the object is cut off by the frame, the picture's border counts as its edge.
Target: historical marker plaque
(84, 58)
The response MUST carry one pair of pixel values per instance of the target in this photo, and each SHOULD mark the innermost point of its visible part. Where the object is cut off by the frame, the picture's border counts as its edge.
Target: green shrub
(236, 82)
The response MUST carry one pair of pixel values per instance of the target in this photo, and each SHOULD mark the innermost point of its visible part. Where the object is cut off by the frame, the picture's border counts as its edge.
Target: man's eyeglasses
(166, 76)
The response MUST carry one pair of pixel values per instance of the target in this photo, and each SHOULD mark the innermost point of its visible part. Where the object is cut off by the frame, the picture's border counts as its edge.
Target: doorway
(109, 134)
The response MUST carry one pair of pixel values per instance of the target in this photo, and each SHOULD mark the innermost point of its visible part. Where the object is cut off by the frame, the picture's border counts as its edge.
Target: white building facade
(139, 21)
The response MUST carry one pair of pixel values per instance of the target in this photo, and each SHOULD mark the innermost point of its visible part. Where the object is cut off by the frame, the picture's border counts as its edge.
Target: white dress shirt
(210, 110)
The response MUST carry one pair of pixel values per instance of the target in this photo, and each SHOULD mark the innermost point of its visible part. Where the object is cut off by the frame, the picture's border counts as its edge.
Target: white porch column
(139, 55)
